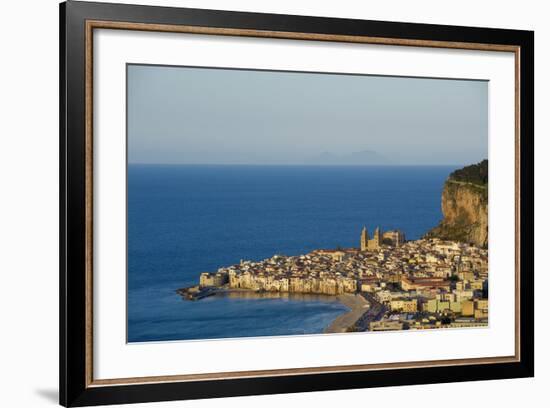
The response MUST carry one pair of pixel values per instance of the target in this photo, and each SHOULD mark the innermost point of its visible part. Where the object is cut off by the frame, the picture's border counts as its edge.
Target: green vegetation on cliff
(475, 174)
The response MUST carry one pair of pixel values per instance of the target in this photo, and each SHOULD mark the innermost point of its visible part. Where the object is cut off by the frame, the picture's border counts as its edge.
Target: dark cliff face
(464, 203)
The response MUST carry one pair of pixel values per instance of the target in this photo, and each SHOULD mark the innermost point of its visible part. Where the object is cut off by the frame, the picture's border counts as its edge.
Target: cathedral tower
(364, 239)
(377, 238)
(371, 244)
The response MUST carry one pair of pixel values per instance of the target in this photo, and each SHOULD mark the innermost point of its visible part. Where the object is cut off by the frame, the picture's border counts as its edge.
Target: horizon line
(299, 164)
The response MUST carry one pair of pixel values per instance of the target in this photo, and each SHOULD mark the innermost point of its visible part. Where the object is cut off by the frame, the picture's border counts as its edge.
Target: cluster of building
(425, 283)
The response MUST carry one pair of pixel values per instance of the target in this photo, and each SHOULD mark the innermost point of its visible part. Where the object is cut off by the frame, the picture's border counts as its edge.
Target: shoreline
(358, 306)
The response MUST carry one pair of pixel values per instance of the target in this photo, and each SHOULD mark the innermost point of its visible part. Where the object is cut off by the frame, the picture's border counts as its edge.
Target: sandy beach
(358, 305)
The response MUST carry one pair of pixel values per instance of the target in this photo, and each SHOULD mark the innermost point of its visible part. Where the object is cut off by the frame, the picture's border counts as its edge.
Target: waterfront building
(213, 279)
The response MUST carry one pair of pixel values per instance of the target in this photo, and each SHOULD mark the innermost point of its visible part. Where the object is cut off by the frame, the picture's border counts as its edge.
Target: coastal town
(387, 282)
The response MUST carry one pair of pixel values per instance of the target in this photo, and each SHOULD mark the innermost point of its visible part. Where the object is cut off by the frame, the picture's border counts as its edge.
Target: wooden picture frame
(78, 20)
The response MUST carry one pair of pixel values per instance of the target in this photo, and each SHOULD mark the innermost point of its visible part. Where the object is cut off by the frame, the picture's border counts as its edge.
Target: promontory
(464, 203)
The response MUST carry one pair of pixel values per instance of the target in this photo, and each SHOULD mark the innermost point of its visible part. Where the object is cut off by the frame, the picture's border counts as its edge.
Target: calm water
(183, 220)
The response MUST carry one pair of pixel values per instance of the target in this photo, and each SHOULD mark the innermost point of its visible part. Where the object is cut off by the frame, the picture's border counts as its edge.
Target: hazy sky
(201, 115)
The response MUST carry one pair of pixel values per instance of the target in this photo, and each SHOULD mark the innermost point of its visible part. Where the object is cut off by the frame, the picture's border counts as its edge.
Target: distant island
(387, 282)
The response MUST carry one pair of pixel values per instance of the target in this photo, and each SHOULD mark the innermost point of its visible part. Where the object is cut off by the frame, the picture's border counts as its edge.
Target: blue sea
(188, 219)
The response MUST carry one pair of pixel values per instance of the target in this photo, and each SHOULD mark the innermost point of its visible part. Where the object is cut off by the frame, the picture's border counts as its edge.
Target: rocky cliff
(464, 204)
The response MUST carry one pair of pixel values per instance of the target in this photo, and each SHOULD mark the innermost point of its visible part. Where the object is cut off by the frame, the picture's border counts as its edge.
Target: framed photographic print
(256, 203)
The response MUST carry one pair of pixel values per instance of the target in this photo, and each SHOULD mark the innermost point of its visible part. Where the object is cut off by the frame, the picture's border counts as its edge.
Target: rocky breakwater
(464, 203)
